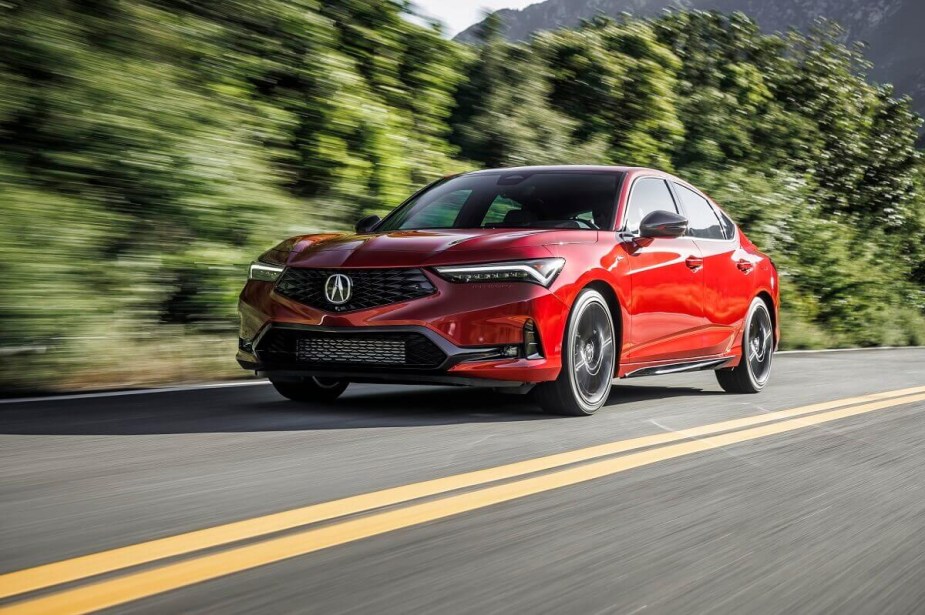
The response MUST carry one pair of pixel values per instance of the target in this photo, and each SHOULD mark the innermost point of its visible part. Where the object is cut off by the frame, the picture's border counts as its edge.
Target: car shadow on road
(260, 409)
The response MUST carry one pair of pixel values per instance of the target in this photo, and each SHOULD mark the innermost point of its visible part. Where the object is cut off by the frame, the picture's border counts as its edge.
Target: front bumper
(276, 353)
(468, 324)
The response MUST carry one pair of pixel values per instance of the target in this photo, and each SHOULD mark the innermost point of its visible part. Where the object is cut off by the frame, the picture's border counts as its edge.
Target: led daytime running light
(539, 271)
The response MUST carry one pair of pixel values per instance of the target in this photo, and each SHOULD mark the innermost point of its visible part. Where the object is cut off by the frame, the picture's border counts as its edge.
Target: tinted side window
(702, 220)
(648, 194)
(729, 227)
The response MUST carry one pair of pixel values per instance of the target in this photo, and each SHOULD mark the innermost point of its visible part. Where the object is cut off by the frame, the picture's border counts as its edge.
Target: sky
(460, 14)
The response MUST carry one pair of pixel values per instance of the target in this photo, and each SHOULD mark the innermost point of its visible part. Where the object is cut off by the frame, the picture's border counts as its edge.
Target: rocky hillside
(891, 28)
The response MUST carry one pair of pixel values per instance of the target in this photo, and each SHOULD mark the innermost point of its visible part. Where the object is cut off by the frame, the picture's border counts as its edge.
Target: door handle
(694, 263)
(745, 266)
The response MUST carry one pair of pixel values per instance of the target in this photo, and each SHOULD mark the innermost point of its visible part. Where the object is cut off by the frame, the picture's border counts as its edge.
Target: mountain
(892, 29)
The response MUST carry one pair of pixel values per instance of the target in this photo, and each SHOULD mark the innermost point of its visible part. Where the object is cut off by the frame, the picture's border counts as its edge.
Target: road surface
(675, 498)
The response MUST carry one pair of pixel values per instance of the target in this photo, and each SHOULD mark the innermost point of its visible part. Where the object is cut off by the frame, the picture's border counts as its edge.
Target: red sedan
(550, 280)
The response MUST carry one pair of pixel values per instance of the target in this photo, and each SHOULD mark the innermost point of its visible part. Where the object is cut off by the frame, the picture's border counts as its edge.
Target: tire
(589, 352)
(311, 389)
(753, 371)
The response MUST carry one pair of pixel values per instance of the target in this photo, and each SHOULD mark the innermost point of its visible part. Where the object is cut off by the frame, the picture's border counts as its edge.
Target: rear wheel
(588, 360)
(754, 370)
(311, 389)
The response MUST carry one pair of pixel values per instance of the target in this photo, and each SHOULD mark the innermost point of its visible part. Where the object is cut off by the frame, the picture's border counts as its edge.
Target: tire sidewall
(309, 390)
(326, 384)
(587, 297)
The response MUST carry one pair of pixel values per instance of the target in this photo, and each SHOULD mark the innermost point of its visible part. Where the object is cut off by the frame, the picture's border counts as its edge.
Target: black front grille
(316, 349)
(369, 287)
(356, 349)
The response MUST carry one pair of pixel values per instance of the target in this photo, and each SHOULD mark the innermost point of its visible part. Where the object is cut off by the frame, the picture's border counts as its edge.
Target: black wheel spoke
(759, 345)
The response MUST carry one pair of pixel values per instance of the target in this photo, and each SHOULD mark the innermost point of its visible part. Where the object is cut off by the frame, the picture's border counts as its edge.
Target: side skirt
(677, 368)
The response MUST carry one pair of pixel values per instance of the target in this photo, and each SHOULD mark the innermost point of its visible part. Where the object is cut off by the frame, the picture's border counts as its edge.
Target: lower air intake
(360, 349)
(327, 350)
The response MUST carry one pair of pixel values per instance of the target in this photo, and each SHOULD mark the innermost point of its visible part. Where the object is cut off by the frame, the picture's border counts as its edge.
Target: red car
(553, 280)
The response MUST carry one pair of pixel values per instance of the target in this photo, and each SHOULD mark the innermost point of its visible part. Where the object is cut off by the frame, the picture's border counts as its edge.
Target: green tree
(618, 83)
(502, 116)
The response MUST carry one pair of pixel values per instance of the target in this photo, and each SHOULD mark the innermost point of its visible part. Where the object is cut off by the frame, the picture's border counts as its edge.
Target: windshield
(544, 199)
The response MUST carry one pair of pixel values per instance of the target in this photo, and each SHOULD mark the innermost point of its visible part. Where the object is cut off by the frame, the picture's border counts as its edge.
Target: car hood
(428, 248)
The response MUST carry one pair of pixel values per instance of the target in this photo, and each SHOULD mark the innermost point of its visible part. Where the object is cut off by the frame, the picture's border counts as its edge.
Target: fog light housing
(510, 352)
(245, 345)
(532, 348)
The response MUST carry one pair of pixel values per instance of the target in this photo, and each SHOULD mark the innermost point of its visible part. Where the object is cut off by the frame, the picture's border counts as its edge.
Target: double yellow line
(358, 517)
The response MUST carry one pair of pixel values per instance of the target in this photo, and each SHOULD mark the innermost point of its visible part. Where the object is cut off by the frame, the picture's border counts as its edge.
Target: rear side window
(729, 227)
(648, 194)
(702, 220)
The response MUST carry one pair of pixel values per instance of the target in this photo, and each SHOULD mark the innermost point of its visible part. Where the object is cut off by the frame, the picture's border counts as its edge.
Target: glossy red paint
(673, 299)
(665, 300)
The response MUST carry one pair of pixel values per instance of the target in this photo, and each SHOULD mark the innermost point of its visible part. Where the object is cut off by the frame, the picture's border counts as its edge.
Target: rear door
(726, 278)
(666, 282)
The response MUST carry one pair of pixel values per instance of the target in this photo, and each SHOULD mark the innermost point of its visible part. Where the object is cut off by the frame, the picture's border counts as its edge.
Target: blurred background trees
(150, 148)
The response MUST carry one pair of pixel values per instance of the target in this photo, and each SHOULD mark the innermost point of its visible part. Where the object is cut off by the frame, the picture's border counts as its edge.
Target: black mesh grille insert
(368, 287)
(360, 349)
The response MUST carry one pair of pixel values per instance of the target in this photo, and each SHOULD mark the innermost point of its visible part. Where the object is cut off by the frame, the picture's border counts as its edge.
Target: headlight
(538, 271)
(264, 272)
(270, 265)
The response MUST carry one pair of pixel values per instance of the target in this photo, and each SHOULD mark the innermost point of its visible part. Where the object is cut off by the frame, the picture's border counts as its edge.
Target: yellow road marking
(81, 567)
(134, 586)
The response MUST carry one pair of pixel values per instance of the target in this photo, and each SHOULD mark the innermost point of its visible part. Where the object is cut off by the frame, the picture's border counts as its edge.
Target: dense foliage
(149, 148)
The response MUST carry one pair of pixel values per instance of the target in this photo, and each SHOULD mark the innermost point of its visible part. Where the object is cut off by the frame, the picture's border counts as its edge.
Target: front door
(666, 284)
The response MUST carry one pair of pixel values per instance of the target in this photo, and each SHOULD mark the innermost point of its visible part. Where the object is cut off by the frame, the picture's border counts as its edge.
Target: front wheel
(311, 389)
(589, 352)
(754, 370)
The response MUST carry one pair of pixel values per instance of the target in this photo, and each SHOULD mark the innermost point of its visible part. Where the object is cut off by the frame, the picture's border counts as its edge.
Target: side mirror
(367, 224)
(663, 224)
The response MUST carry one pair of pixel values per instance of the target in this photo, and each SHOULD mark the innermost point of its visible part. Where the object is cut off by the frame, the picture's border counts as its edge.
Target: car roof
(635, 171)
(560, 167)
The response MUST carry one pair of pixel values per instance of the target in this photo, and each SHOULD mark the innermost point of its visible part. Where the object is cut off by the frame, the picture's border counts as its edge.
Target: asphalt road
(821, 510)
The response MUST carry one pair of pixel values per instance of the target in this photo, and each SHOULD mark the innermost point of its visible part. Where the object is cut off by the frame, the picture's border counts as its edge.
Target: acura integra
(547, 280)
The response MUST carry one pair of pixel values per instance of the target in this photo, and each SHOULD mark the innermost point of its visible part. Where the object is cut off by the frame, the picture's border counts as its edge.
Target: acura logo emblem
(337, 289)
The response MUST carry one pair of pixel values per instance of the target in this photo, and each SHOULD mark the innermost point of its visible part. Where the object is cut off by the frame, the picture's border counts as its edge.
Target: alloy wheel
(759, 345)
(593, 352)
